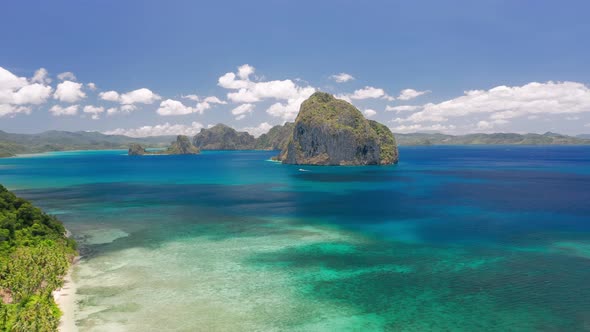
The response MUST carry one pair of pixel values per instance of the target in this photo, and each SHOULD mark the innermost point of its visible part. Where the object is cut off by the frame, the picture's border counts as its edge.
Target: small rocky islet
(182, 145)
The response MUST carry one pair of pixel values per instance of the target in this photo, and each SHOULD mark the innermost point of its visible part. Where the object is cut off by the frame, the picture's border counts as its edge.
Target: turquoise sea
(450, 239)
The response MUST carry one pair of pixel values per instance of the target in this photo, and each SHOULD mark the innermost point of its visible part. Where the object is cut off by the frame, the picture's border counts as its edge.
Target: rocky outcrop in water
(136, 150)
(330, 131)
(222, 137)
(182, 145)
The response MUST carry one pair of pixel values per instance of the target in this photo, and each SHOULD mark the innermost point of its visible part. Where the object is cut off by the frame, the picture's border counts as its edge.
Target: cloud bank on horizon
(243, 93)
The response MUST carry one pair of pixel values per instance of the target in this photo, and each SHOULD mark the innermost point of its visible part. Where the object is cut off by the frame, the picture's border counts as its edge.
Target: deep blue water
(451, 238)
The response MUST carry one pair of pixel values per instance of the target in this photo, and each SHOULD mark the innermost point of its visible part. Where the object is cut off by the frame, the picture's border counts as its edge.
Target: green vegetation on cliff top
(322, 109)
(386, 140)
(331, 131)
(35, 254)
(222, 137)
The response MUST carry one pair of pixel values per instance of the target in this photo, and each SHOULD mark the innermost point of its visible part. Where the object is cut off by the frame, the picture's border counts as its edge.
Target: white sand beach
(66, 300)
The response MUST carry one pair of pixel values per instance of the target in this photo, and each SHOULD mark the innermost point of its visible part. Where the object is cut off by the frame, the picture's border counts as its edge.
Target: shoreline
(65, 298)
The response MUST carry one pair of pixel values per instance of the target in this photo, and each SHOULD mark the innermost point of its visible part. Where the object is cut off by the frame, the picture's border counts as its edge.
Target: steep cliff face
(277, 137)
(182, 145)
(329, 131)
(222, 137)
(136, 150)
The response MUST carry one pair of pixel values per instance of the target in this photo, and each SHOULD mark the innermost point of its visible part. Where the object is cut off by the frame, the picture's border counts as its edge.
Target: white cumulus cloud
(504, 102)
(192, 97)
(129, 100)
(408, 94)
(9, 81)
(165, 129)
(41, 76)
(369, 113)
(32, 94)
(69, 92)
(109, 95)
(214, 100)
(66, 76)
(17, 91)
(175, 107)
(342, 77)
(401, 108)
(128, 108)
(241, 111)
(244, 71)
(58, 110)
(139, 96)
(368, 92)
(262, 128)
(11, 110)
(209, 99)
(94, 111)
(288, 94)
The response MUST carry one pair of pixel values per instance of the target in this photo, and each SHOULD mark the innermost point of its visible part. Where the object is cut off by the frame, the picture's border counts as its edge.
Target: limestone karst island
(329, 131)
(182, 145)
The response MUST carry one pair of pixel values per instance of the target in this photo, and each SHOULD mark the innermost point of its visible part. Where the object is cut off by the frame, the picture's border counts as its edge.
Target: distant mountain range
(224, 137)
(12, 144)
(548, 138)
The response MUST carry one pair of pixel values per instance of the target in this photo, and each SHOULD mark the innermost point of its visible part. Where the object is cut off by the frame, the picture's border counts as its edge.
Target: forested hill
(548, 138)
(35, 254)
(12, 144)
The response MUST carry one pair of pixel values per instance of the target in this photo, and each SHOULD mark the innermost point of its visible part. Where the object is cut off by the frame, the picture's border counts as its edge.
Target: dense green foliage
(322, 109)
(386, 141)
(35, 254)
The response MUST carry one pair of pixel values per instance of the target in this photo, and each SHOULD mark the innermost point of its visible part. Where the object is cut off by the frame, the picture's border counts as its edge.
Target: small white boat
(303, 170)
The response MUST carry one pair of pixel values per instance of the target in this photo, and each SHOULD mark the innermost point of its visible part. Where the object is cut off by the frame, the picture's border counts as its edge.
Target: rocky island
(222, 137)
(277, 137)
(182, 145)
(330, 131)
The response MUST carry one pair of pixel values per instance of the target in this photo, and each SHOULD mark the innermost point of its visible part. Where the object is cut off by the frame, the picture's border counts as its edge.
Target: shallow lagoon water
(452, 238)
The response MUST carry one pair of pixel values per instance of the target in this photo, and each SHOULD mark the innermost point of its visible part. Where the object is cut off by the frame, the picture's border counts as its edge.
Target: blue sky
(525, 63)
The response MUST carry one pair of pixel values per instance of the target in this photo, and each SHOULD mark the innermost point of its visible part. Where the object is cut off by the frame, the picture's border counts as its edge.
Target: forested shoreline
(35, 255)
